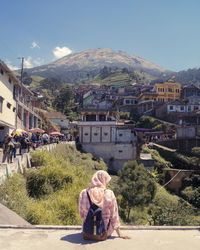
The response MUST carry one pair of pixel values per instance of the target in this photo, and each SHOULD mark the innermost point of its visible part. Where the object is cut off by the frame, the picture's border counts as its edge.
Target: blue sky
(165, 32)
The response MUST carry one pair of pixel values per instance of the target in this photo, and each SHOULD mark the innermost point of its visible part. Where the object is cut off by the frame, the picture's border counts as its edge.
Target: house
(60, 119)
(167, 91)
(191, 93)
(177, 111)
(16, 108)
(101, 134)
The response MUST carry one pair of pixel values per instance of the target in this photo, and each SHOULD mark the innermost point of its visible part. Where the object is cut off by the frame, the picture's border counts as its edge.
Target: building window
(171, 107)
(95, 134)
(196, 107)
(2, 71)
(14, 109)
(1, 104)
(189, 108)
(120, 151)
(8, 105)
(182, 108)
(120, 134)
(86, 134)
(9, 80)
(105, 133)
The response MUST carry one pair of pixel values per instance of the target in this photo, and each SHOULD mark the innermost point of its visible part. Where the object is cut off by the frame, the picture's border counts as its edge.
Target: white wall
(6, 91)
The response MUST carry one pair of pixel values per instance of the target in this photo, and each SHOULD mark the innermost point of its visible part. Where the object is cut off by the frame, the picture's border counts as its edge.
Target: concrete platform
(64, 238)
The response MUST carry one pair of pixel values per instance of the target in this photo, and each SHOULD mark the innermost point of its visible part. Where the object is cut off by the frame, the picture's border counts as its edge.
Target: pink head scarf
(98, 184)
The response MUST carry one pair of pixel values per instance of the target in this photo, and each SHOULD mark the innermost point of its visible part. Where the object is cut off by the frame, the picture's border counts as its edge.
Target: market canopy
(36, 130)
(18, 131)
(55, 133)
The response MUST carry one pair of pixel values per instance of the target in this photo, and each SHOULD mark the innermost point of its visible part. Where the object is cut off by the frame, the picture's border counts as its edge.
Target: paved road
(41, 239)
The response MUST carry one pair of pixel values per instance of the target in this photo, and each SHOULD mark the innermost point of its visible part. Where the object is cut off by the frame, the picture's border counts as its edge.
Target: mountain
(79, 66)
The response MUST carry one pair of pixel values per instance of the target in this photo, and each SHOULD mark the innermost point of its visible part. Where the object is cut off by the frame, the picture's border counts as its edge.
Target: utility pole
(21, 82)
(22, 69)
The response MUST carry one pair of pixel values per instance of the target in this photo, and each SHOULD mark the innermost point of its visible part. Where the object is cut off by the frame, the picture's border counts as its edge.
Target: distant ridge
(76, 66)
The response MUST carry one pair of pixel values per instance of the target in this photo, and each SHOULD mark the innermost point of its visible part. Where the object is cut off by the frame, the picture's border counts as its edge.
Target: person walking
(7, 149)
(14, 149)
(104, 199)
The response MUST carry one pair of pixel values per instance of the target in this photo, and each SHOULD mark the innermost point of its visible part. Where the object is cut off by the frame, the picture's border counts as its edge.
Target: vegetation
(136, 188)
(49, 193)
(63, 99)
(191, 189)
(150, 123)
(167, 209)
(159, 163)
(118, 76)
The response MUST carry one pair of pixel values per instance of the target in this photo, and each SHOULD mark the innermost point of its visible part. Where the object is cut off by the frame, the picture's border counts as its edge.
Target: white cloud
(61, 51)
(27, 62)
(34, 45)
(38, 61)
(10, 66)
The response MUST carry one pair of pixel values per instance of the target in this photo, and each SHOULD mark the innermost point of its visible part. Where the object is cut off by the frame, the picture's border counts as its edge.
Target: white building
(105, 137)
(16, 110)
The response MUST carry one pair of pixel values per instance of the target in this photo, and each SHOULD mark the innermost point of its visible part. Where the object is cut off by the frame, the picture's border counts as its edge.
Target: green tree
(51, 84)
(63, 99)
(136, 187)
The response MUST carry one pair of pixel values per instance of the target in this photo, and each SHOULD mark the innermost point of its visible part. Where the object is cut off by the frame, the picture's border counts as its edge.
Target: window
(86, 134)
(105, 133)
(120, 134)
(9, 80)
(189, 108)
(14, 109)
(182, 108)
(127, 101)
(171, 107)
(95, 134)
(2, 71)
(196, 107)
(1, 104)
(8, 105)
(120, 151)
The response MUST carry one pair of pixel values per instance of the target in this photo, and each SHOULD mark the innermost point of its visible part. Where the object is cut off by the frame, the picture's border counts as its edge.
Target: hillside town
(107, 125)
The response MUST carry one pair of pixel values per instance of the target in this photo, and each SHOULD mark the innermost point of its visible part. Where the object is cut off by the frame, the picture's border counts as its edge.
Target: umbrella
(18, 131)
(36, 130)
(55, 133)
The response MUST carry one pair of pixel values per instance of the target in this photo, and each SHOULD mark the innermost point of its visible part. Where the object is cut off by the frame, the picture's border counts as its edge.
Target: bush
(13, 194)
(167, 209)
(136, 188)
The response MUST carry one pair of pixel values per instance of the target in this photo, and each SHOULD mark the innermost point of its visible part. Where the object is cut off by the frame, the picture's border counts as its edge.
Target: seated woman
(103, 198)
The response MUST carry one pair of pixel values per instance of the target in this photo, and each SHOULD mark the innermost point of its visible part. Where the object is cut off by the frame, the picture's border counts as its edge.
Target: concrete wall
(186, 132)
(115, 155)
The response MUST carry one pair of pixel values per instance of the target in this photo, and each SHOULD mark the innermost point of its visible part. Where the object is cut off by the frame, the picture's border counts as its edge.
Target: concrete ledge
(50, 227)
(49, 238)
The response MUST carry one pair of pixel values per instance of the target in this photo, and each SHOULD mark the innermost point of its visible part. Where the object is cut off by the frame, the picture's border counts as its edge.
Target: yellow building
(168, 91)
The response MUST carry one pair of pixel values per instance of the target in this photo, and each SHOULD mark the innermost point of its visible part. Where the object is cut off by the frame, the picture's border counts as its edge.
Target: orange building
(168, 91)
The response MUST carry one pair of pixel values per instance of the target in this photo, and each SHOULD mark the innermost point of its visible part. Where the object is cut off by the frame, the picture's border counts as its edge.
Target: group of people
(24, 142)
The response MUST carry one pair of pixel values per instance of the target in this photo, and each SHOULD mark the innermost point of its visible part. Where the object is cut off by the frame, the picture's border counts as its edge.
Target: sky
(164, 32)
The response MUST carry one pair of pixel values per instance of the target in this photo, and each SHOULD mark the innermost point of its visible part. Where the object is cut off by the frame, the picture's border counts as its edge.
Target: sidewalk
(71, 239)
